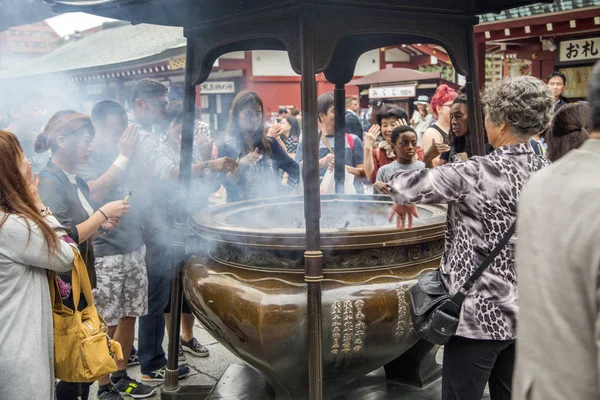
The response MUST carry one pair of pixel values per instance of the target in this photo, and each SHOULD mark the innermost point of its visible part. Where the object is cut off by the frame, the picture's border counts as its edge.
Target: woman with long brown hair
(29, 246)
(260, 156)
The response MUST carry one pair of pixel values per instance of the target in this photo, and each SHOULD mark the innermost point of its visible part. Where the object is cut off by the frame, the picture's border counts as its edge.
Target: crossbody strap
(326, 143)
(462, 293)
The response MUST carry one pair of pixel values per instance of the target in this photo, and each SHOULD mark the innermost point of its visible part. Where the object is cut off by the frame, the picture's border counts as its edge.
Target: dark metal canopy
(170, 12)
(320, 36)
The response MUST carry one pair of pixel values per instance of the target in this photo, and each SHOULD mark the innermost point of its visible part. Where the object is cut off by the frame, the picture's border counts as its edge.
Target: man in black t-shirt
(121, 292)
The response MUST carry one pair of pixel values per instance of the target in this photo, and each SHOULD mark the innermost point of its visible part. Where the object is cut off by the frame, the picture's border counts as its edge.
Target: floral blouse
(482, 195)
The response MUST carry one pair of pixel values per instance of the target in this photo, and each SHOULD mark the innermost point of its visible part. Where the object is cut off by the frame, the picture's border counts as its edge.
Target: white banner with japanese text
(580, 50)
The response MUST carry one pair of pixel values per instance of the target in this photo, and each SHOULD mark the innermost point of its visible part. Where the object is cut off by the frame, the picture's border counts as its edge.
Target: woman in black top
(460, 141)
(69, 136)
(260, 157)
(289, 135)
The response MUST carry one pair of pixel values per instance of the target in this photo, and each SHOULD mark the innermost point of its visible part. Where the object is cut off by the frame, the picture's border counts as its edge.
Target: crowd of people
(102, 185)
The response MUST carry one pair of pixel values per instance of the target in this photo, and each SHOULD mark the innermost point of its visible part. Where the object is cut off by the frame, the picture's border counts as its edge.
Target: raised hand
(435, 150)
(371, 137)
(274, 131)
(327, 161)
(128, 141)
(33, 184)
(224, 164)
(401, 212)
(205, 147)
(251, 158)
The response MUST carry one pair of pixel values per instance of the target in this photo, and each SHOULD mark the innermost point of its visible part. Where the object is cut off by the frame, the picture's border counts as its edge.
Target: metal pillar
(472, 91)
(340, 137)
(181, 224)
(313, 256)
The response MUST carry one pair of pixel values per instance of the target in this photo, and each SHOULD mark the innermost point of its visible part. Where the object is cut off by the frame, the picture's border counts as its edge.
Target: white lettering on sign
(579, 50)
(217, 87)
(392, 92)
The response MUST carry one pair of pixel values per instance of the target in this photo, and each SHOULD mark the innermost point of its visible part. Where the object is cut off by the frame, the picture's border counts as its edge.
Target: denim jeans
(151, 332)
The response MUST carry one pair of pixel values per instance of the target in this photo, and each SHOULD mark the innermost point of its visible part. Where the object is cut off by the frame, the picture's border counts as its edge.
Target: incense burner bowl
(246, 285)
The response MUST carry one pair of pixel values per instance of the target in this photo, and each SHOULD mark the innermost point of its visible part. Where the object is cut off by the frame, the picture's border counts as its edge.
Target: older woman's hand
(371, 137)
(401, 212)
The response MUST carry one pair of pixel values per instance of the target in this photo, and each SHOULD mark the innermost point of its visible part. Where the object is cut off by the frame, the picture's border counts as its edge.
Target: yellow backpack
(81, 348)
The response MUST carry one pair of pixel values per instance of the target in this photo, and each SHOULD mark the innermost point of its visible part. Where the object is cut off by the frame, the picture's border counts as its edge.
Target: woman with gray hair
(482, 194)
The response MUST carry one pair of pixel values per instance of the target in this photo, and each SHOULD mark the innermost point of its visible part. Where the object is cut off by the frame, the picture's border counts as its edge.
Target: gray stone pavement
(206, 371)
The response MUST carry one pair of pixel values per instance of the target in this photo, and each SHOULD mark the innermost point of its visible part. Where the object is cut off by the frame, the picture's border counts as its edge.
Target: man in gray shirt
(558, 269)
(150, 169)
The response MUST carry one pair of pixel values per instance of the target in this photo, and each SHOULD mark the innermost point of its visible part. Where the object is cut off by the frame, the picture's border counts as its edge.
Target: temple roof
(538, 9)
(121, 45)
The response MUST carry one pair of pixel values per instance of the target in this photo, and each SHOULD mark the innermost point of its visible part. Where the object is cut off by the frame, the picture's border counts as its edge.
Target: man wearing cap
(421, 119)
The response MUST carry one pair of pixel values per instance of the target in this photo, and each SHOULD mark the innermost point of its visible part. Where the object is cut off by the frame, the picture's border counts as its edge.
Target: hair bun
(41, 143)
(442, 89)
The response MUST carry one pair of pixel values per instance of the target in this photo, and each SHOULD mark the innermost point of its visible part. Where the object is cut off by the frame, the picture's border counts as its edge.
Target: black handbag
(435, 313)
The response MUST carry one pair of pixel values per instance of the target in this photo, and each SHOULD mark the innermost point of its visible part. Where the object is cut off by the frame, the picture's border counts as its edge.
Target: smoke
(80, 90)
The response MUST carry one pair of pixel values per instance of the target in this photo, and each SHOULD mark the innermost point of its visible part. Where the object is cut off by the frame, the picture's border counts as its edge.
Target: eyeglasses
(447, 105)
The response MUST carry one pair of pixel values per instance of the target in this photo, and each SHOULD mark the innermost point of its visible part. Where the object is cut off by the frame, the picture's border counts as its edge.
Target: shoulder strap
(326, 143)
(441, 131)
(460, 296)
(350, 140)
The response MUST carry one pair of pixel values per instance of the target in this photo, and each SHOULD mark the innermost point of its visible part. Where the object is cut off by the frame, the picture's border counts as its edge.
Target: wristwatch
(207, 170)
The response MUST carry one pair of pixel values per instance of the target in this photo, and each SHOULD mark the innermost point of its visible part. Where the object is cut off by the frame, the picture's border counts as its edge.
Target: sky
(66, 24)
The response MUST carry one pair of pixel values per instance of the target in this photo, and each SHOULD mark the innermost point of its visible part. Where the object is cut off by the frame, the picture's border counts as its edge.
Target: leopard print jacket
(482, 195)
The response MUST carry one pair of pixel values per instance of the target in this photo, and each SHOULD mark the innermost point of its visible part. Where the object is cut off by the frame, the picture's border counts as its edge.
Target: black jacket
(561, 102)
(353, 124)
(58, 194)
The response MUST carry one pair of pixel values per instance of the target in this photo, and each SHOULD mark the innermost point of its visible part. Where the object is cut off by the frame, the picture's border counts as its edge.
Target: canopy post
(181, 224)
(313, 256)
(476, 130)
(340, 137)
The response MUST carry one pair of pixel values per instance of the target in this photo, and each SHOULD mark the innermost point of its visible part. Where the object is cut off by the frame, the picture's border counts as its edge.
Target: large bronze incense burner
(310, 330)
(247, 285)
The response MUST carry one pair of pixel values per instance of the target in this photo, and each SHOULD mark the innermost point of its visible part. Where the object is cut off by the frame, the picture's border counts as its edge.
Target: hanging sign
(392, 92)
(217, 87)
(580, 50)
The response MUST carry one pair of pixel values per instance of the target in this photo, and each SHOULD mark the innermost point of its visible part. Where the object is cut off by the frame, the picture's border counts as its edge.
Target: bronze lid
(347, 222)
